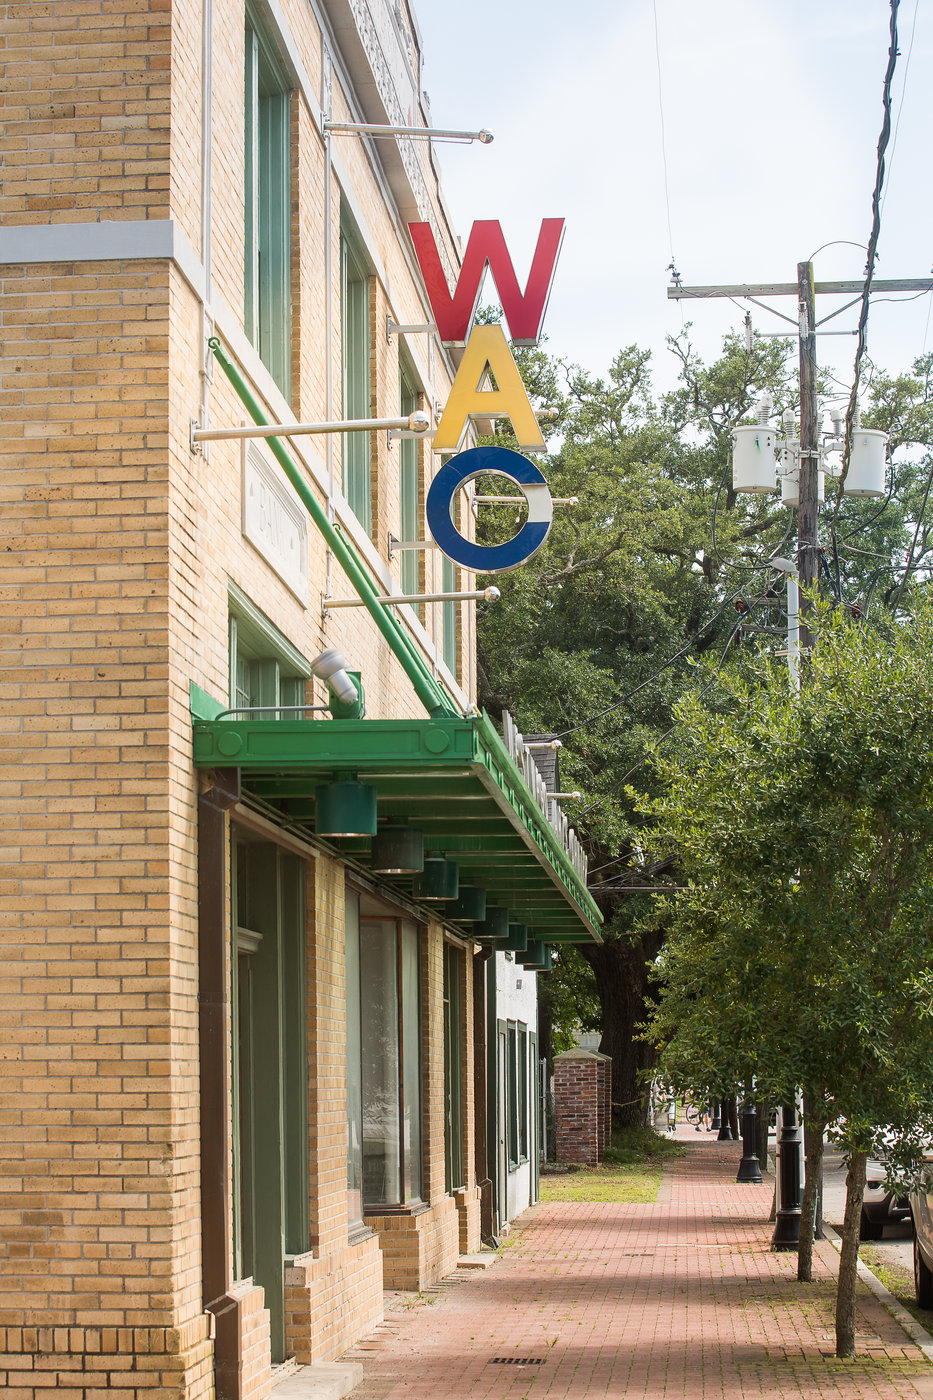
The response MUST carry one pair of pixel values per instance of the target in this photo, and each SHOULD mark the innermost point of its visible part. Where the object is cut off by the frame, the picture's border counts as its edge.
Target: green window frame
(512, 1092)
(265, 669)
(355, 336)
(522, 1106)
(385, 1170)
(267, 235)
(271, 1195)
(454, 1174)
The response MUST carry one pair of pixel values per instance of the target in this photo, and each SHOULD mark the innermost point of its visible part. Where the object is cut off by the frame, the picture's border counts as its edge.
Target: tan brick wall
(85, 110)
(119, 548)
(331, 1302)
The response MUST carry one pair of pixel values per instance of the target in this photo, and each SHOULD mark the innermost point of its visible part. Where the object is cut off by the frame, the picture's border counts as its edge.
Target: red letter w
(453, 315)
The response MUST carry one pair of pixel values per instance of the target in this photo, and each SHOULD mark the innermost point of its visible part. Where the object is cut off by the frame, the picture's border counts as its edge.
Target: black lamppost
(787, 1217)
(749, 1167)
(725, 1131)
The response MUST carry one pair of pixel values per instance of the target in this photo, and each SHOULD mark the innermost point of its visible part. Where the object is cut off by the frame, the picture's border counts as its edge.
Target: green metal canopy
(450, 777)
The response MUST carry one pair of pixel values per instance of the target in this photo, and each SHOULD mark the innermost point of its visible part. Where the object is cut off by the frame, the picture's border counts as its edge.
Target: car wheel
(869, 1229)
(923, 1279)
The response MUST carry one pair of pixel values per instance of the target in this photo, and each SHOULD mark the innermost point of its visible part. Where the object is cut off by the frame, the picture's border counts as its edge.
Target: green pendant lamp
(345, 808)
(397, 850)
(517, 940)
(439, 880)
(537, 956)
(470, 905)
(495, 926)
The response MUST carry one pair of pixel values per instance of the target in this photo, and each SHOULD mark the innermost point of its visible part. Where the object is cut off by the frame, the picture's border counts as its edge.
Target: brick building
(244, 1058)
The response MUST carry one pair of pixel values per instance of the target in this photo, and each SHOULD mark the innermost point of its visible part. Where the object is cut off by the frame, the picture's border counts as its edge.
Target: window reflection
(383, 1063)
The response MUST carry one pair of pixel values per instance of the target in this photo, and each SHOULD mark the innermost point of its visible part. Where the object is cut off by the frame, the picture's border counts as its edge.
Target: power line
(610, 709)
(667, 196)
(872, 256)
(667, 733)
(900, 106)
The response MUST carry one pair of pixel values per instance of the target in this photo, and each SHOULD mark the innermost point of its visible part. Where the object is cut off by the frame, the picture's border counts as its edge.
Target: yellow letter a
(487, 351)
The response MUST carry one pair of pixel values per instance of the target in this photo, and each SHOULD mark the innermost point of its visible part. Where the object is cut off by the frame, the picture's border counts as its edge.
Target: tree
(801, 951)
(656, 586)
(626, 583)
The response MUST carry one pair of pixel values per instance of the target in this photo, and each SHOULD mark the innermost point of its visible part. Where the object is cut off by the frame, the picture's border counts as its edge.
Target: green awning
(452, 778)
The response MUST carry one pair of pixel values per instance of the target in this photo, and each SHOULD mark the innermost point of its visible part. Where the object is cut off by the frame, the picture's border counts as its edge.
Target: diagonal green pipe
(434, 699)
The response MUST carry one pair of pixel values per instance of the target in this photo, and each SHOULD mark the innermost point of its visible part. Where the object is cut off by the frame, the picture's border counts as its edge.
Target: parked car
(880, 1206)
(921, 1208)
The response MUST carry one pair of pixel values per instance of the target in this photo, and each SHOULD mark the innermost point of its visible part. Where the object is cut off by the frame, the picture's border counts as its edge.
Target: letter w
(524, 313)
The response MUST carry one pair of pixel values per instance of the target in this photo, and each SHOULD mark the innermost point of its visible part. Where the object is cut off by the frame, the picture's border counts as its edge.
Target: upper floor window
(265, 669)
(267, 282)
(354, 326)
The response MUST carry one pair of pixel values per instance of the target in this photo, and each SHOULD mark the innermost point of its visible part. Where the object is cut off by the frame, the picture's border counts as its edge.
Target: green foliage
(630, 1145)
(567, 999)
(631, 604)
(801, 951)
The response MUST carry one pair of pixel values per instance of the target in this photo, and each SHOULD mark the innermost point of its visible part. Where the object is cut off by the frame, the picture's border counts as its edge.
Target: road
(897, 1241)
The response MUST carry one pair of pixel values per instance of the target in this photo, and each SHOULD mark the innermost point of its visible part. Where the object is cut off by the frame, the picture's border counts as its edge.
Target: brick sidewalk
(682, 1298)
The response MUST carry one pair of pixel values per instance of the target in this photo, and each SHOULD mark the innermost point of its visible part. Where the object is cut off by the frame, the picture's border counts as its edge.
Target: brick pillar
(582, 1106)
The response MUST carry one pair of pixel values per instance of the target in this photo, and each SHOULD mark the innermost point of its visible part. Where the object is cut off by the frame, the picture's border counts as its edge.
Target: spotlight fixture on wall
(331, 668)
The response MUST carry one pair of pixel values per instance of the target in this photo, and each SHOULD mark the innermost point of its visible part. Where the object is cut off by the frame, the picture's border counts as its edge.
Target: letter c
(497, 558)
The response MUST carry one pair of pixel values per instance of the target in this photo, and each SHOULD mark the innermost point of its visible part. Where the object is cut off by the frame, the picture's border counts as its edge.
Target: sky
(771, 116)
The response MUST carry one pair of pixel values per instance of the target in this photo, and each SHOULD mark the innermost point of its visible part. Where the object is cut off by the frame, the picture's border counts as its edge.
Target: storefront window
(383, 1063)
(453, 1066)
(354, 1067)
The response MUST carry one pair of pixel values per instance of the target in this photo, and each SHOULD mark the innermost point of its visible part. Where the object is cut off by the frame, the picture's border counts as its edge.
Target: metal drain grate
(517, 1361)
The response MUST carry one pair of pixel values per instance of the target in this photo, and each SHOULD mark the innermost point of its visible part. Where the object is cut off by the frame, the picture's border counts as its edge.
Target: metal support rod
(788, 289)
(421, 328)
(431, 132)
(429, 691)
(488, 595)
(520, 500)
(793, 630)
(416, 422)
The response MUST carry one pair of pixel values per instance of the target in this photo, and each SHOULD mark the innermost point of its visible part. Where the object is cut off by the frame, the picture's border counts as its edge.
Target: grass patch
(626, 1184)
(897, 1279)
(633, 1146)
(630, 1173)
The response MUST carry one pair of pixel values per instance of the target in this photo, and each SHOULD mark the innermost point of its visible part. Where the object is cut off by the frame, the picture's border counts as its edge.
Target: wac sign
(486, 358)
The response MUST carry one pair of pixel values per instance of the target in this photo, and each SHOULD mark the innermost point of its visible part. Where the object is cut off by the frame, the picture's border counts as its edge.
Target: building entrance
(270, 1070)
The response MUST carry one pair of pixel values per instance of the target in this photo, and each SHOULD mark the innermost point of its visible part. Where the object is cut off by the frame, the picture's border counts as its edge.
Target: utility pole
(808, 508)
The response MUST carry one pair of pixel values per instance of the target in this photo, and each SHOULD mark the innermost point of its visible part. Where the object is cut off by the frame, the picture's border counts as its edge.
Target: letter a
(524, 312)
(487, 352)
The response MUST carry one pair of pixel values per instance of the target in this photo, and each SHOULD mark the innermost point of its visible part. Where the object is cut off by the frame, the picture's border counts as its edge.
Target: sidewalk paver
(681, 1299)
